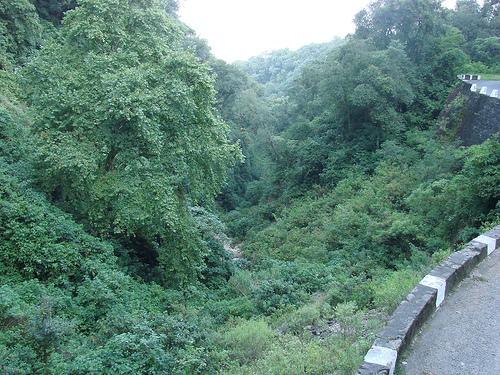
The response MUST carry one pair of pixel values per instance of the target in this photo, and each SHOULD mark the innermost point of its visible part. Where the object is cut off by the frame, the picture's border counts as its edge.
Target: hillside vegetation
(131, 159)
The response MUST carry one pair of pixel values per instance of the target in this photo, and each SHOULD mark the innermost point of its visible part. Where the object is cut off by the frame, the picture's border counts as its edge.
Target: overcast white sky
(239, 29)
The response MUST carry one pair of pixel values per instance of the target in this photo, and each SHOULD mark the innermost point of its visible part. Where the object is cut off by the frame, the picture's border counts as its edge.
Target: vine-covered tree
(126, 134)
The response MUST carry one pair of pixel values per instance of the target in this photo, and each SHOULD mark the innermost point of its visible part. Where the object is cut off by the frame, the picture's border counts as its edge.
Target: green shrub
(347, 287)
(240, 307)
(296, 321)
(39, 240)
(274, 294)
(392, 289)
(349, 319)
(248, 340)
(290, 356)
(241, 283)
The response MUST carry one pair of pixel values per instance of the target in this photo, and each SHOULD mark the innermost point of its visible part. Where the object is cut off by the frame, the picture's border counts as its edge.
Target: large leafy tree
(344, 108)
(431, 43)
(126, 134)
(367, 91)
(412, 23)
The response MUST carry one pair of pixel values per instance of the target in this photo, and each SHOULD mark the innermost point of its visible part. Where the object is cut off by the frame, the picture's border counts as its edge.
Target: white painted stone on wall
(491, 242)
(382, 356)
(494, 94)
(473, 88)
(484, 89)
(437, 283)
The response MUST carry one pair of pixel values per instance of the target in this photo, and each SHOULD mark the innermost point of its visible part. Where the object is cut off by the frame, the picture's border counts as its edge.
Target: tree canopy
(126, 134)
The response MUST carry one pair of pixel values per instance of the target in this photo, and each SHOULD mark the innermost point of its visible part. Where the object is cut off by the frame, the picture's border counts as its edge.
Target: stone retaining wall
(469, 116)
(421, 303)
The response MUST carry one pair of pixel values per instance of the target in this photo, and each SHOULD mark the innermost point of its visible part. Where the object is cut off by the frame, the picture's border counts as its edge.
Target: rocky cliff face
(469, 116)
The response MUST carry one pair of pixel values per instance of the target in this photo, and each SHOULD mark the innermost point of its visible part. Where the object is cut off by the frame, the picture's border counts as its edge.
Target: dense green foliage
(19, 31)
(348, 181)
(277, 70)
(129, 156)
(120, 142)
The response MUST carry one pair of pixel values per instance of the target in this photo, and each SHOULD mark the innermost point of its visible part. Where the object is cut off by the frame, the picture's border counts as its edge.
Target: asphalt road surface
(463, 336)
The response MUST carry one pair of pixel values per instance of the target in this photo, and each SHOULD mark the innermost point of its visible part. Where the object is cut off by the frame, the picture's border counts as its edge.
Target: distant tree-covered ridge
(277, 70)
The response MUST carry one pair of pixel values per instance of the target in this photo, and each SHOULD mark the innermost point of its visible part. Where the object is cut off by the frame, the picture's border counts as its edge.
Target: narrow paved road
(463, 336)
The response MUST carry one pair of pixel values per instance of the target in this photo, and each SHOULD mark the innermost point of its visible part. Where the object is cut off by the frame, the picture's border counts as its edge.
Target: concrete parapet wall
(422, 302)
(469, 116)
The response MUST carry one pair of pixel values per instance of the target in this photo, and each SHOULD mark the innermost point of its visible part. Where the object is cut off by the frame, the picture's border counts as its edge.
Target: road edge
(423, 301)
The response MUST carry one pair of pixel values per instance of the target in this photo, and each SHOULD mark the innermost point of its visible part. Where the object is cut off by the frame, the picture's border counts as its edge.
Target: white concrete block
(491, 242)
(484, 89)
(494, 94)
(437, 283)
(382, 356)
(473, 88)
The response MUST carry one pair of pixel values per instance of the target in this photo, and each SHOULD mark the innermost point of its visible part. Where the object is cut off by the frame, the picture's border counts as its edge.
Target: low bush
(391, 289)
(297, 320)
(248, 340)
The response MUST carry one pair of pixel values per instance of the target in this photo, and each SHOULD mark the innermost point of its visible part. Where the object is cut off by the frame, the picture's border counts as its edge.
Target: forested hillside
(277, 70)
(163, 212)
